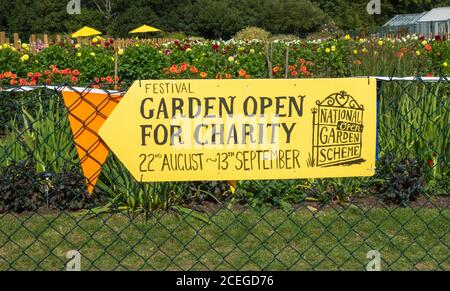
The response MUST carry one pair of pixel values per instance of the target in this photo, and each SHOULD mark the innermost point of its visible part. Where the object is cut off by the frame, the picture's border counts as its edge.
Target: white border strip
(83, 90)
(424, 79)
(114, 92)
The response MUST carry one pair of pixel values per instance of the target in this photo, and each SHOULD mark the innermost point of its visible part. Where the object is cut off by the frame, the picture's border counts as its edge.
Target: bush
(176, 35)
(401, 181)
(22, 188)
(59, 56)
(252, 33)
(280, 193)
(284, 37)
(10, 61)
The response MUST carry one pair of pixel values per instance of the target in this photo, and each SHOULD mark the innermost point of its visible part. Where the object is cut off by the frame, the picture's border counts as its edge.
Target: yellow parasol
(145, 28)
(85, 32)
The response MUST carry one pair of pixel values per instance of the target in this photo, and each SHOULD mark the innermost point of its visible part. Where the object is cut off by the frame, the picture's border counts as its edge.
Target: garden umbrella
(85, 32)
(144, 29)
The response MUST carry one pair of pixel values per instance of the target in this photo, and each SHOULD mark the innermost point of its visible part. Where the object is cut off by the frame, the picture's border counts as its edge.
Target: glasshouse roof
(437, 14)
(405, 19)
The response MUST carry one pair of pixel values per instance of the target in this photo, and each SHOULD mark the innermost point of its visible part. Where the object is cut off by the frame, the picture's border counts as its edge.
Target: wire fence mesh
(400, 215)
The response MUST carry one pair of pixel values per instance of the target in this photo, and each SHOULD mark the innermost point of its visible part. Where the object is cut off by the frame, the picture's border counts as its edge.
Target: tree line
(206, 18)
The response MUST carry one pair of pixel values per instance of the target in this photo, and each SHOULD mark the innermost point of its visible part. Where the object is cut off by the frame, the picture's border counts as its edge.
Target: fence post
(33, 44)
(45, 40)
(2, 37)
(16, 41)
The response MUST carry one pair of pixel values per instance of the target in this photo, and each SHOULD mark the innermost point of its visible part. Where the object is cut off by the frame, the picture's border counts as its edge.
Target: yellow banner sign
(201, 130)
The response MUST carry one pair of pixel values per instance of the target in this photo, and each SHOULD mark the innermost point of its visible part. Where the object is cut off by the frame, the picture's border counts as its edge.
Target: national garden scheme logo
(338, 126)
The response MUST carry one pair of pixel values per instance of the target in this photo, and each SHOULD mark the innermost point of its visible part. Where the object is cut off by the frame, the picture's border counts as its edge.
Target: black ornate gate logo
(337, 131)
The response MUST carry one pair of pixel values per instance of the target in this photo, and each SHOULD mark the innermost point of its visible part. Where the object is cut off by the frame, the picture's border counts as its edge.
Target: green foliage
(94, 62)
(22, 188)
(39, 137)
(207, 18)
(270, 193)
(60, 56)
(19, 188)
(176, 35)
(127, 195)
(404, 180)
(290, 16)
(284, 37)
(10, 61)
(144, 61)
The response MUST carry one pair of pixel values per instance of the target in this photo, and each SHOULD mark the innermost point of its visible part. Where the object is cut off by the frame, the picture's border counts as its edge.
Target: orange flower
(203, 75)
(428, 47)
(13, 82)
(358, 62)
(183, 67)
(242, 73)
(247, 76)
(174, 69)
(228, 76)
(30, 74)
(7, 74)
(276, 69)
(194, 70)
(294, 73)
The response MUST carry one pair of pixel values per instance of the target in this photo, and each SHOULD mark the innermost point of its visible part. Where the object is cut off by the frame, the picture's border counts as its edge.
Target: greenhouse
(404, 23)
(434, 22)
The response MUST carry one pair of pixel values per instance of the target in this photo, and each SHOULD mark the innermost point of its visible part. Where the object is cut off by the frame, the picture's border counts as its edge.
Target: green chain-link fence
(400, 216)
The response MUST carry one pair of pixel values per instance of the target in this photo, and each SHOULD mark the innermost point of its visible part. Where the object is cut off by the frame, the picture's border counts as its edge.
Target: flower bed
(344, 57)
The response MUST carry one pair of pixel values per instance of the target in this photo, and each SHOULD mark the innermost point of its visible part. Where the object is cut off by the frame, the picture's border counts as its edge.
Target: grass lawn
(408, 239)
